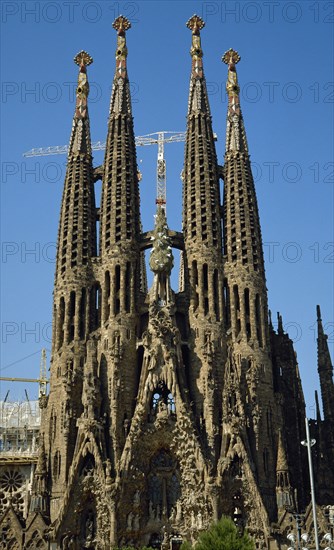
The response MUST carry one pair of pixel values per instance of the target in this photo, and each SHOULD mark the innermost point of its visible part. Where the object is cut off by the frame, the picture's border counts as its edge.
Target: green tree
(222, 535)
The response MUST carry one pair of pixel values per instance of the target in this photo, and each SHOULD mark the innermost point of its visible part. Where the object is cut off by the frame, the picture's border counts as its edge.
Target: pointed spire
(280, 324)
(201, 208)
(198, 96)
(120, 216)
(38, 501)
(77, 227)
(325, 370)
(319, 322)
(120, 97)
(235, 133)
(242, 231)
(282, 462)
(80, 141)
(284, 495)
(201, 193)
(196, 24)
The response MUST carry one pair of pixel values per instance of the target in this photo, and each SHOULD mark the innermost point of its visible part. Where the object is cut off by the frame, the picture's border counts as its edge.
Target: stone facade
(168, 409)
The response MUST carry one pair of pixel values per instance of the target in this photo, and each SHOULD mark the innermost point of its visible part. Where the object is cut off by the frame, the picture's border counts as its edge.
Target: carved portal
(163, 486)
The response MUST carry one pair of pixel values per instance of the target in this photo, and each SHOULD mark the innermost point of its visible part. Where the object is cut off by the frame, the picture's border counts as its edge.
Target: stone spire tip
(280, 323)
(121, 24)
(195, 24)
(282, 463)
(231, 57)
(83, 59)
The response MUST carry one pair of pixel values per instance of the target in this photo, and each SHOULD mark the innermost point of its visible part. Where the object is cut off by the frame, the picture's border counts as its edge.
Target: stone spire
(202, 256)
(282, 462)
(39, 496)
(283, 486)
(120, 221)
(242, 233)
(201, 197)
(245, 291)
(198, 97)
(74, 294)
(325, 370)
(77, 227)
(235, 134)
(121, 266)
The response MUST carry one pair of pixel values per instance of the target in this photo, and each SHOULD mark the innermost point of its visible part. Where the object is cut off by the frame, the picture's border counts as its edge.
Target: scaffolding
(19, 429)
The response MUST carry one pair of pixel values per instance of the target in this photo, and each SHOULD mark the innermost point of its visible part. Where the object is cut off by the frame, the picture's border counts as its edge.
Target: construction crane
(42, 380)
(156, 138)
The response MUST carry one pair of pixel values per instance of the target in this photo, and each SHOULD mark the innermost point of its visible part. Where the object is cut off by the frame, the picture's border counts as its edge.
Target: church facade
(168, 409)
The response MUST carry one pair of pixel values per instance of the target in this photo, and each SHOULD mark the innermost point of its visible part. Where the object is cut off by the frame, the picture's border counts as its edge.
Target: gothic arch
(10, 530)
(163, 484)
(35, 542)
(87, 465)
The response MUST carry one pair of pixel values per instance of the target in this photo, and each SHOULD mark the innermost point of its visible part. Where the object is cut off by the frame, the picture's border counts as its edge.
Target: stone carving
(136, 522)
(130, 521)
(136, 498)
(116, 350)
(199, 520)
(161, 259)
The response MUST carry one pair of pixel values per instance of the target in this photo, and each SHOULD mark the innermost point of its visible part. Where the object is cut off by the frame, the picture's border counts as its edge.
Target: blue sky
(287, 94)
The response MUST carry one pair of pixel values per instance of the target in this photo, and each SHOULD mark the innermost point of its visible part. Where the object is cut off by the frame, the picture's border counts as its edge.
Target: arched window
(162, 400)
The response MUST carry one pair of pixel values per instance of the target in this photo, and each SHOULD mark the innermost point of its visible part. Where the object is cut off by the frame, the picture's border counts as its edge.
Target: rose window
(11, 481)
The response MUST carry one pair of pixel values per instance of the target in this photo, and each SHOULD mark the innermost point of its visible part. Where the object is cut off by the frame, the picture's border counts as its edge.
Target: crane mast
(161, 172)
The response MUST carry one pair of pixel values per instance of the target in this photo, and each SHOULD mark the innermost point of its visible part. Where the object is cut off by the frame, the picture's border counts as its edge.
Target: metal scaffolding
(19, 428)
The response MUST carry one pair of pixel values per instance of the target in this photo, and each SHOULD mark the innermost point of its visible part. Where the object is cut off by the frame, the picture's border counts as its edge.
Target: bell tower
(203, 253)
(73, 308)
(250, 408)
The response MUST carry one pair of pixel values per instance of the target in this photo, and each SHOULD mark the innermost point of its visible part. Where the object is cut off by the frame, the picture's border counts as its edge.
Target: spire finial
(82, 59)
(121, 24)
(231, 58)
(195, 24)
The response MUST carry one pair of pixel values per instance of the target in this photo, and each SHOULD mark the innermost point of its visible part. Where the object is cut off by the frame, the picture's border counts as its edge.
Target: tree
(222, 535)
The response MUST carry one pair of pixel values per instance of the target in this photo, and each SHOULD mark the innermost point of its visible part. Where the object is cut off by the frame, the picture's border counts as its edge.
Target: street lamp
(309, 443)
(328, 540)
(298, 542)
